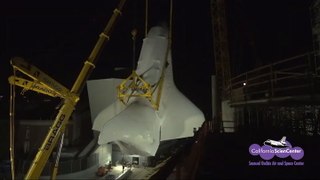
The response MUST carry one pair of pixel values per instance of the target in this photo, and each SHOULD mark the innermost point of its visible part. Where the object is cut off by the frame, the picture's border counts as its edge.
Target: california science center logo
(281, 149)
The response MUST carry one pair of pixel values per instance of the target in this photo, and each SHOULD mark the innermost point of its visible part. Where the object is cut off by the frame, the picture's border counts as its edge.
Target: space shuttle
(280, 144)
(136, 127)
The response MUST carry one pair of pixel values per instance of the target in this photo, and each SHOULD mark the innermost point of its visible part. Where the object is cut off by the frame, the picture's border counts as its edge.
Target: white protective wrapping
(138, 128)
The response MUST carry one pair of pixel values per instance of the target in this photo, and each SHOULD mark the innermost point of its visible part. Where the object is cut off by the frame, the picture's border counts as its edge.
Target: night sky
(58, 37)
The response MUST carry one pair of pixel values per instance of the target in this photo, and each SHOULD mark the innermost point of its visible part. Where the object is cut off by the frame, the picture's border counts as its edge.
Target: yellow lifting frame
(129, 91)
(137, 88)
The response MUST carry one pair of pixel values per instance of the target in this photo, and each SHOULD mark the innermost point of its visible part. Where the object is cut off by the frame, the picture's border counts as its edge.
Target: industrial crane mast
(222, 56)
(70, 98)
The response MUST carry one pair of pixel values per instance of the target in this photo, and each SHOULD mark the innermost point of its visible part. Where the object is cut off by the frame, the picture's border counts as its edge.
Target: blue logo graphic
(281, 149)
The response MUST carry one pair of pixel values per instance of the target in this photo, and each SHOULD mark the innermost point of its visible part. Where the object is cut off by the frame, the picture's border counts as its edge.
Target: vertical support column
(222, 57)
(316, 120)
(271, 82)
(315, 22)
(178, 171)
(315, 15)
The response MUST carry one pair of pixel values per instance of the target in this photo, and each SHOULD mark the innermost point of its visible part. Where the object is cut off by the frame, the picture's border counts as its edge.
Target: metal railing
(289, 77)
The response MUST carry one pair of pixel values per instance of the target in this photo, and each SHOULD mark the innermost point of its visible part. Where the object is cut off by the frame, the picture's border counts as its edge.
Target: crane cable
(146, 18)
(134, 33)
(168, 51)
(12, 126)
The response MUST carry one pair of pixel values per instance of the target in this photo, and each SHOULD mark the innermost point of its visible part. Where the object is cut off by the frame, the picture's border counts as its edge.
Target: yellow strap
(166, 57)
(104, 35)
(90, 63)
(117, 11)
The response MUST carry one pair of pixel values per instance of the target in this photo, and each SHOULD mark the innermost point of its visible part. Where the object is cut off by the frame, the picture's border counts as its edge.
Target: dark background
(58, 37)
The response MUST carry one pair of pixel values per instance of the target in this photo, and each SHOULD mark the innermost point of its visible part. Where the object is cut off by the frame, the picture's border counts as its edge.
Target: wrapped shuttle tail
(138, 128)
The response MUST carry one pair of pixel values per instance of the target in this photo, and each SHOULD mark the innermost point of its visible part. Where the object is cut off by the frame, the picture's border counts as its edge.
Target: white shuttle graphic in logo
(280, 144)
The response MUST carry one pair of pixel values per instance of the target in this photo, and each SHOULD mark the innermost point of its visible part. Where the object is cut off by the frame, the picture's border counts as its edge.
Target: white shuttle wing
(135, 130)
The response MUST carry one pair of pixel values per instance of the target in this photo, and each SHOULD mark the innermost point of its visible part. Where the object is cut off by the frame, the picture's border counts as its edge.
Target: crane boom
(68, 106)
(91, 61)
(33, 85)
(41, 77)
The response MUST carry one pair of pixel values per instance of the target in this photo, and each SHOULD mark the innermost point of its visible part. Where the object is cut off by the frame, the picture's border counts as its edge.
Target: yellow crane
(44, 83)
